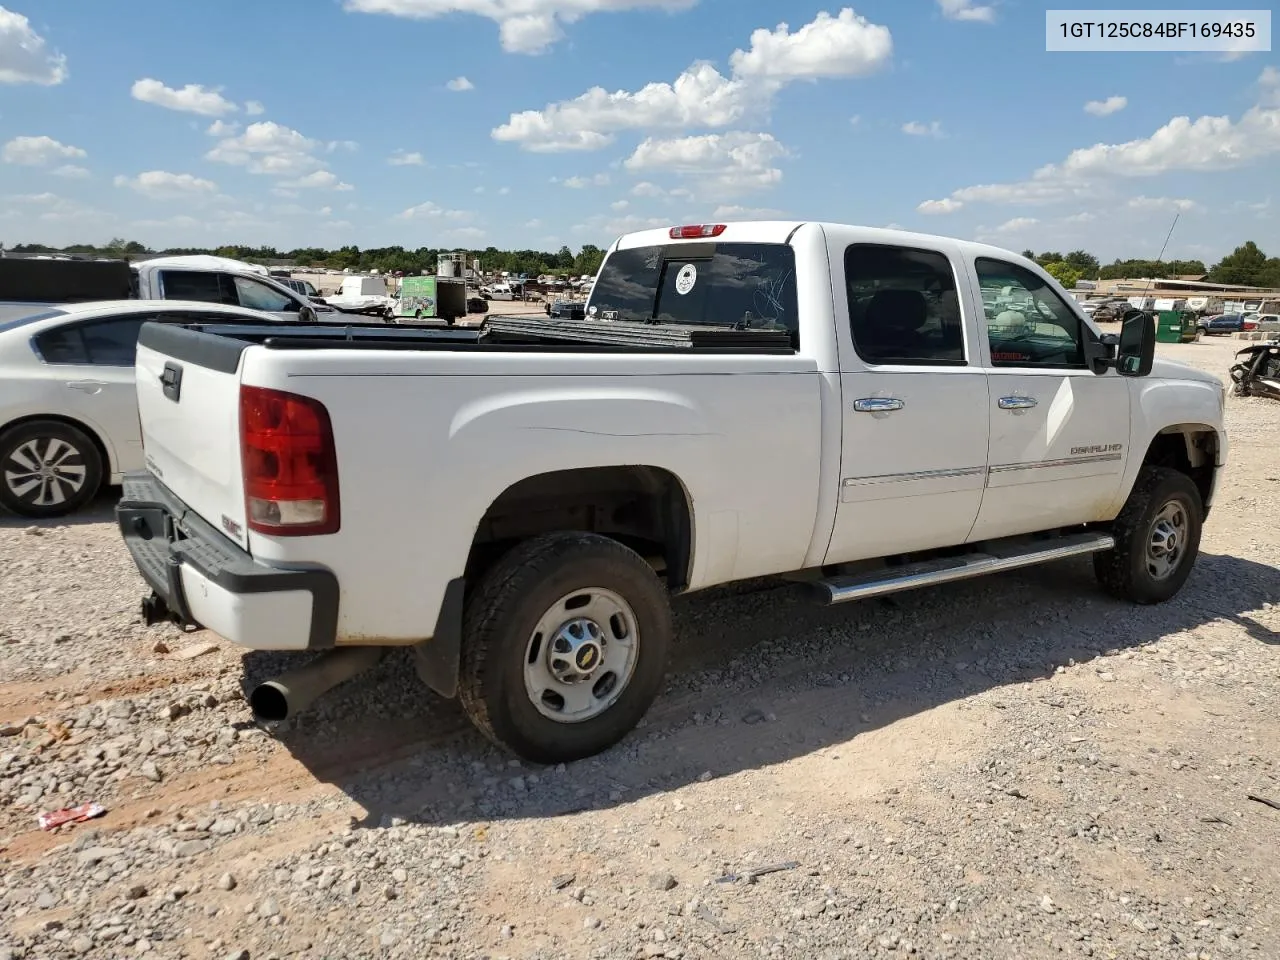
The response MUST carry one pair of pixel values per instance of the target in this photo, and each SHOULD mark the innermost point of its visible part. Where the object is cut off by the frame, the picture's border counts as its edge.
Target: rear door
(94, 361)
(914, 395)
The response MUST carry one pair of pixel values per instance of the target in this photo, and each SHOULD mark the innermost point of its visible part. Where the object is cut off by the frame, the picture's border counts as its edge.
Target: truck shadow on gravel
(759, 676)
(101, 509)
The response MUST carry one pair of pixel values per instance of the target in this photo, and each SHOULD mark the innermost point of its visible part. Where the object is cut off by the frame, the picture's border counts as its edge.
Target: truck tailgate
(188, 387)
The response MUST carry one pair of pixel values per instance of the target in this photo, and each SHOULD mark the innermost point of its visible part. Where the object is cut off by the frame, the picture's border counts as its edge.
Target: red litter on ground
(56, 818)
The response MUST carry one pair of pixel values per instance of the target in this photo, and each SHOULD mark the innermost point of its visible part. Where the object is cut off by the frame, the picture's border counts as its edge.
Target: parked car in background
(567, 309)
(27, 285)
(68, 406)
(1223, 324)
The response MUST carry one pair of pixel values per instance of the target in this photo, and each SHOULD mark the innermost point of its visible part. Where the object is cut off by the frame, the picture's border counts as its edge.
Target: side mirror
(307, 314)
(1137, 349)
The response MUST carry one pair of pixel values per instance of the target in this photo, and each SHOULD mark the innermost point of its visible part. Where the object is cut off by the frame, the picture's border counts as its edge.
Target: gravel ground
(1009, 768)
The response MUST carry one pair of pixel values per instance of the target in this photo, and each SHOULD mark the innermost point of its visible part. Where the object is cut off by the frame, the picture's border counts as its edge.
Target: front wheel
(565, 645)
(47, 469)
(1157, 538)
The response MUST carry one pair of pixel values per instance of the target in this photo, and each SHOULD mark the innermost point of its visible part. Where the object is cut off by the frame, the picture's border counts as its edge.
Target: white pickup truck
(26, 284)
(829, 403)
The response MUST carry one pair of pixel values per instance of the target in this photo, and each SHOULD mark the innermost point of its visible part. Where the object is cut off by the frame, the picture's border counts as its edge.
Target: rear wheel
(1157, 538)
(48, 469)
(564, 646)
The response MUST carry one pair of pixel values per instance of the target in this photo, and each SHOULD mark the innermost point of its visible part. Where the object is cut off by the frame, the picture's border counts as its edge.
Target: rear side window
(903, 306)
(109, 343)
(193, 285)
(748, 285)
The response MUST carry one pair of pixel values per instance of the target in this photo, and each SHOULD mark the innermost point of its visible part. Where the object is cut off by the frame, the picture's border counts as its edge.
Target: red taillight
(289, 463)
(695, 231)
(1249, 325)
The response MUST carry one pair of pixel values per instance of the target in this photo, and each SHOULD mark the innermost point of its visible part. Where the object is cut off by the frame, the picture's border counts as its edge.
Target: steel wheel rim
(581, 655)
(1167, 540)
(45, 472)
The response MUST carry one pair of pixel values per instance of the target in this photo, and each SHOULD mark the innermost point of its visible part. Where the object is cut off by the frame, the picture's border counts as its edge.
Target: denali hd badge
(1097, 448)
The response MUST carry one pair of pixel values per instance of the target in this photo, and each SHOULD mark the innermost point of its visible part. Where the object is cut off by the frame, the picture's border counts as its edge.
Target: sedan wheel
(48, 469)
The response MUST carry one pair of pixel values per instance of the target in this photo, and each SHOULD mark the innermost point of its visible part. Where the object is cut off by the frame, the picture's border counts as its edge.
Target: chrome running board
(996, 558)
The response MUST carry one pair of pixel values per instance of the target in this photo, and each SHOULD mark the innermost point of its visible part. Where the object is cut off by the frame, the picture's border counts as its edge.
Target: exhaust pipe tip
(269, 702)
(284, 697)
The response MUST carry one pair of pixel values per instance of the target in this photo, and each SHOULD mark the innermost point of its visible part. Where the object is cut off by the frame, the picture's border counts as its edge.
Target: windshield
(700, 284)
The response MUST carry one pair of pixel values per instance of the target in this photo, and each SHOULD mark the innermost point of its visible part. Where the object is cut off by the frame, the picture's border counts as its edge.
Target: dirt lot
(1011, 768)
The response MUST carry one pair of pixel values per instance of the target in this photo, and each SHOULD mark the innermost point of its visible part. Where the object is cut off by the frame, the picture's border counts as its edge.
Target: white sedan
(68, 410)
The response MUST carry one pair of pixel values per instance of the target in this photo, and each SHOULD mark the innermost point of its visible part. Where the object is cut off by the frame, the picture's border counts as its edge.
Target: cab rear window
(745, 285)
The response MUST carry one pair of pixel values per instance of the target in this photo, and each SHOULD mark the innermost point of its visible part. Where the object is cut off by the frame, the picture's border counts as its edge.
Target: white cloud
(1170, 204)
(646, 189)
(460, 84)
(24, 56)
(723, 163)
(503, 191)
(524, 26)
(325, 211)
(915, 128)
(254, 108)
(846, 45)
(429, 210)
(610, 228)
(1202, 145)
(1269, 87)
(827, 47)
(221, 128)
(70, 171)
(348, 145)
(463, 233)
(162, 185)
(403, 158)
(1083, 217)
(579, 183)
(699, 97)
(967, 10)
(855, 120)
(735, 212)
(619, 205)
(40, 198)
(193, 98)
(267, 147)
(1104, 108)
(319, 180)
(39, 151)
(532, 224)
(1016, 225)
(478, 190)
(947, 205)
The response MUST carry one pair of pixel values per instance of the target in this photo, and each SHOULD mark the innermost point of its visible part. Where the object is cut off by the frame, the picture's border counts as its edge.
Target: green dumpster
(1175, 326)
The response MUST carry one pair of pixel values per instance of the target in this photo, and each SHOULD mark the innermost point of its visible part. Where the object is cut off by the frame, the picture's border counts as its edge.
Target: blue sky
(532, 123)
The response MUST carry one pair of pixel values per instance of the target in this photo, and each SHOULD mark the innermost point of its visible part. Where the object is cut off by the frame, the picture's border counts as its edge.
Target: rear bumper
(200, 578)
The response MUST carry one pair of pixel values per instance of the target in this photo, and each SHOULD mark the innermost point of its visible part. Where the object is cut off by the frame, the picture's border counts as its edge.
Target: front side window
(903, 306)
(258, 296)
(746, 285)
(1028, 324)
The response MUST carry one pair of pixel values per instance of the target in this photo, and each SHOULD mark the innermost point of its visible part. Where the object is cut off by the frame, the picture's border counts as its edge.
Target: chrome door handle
(877, 405)
(1016, 403)
(86, 386)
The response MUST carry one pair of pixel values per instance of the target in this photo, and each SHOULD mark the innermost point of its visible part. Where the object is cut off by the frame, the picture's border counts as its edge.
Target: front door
(915, 399)
(1059, 432)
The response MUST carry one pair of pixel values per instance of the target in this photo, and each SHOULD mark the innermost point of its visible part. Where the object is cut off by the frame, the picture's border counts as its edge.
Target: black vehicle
(1256, 372)
(567, 309)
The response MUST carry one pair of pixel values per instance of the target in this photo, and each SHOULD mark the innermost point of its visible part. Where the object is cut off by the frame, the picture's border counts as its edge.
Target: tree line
(563, 262)
(1246, 265)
